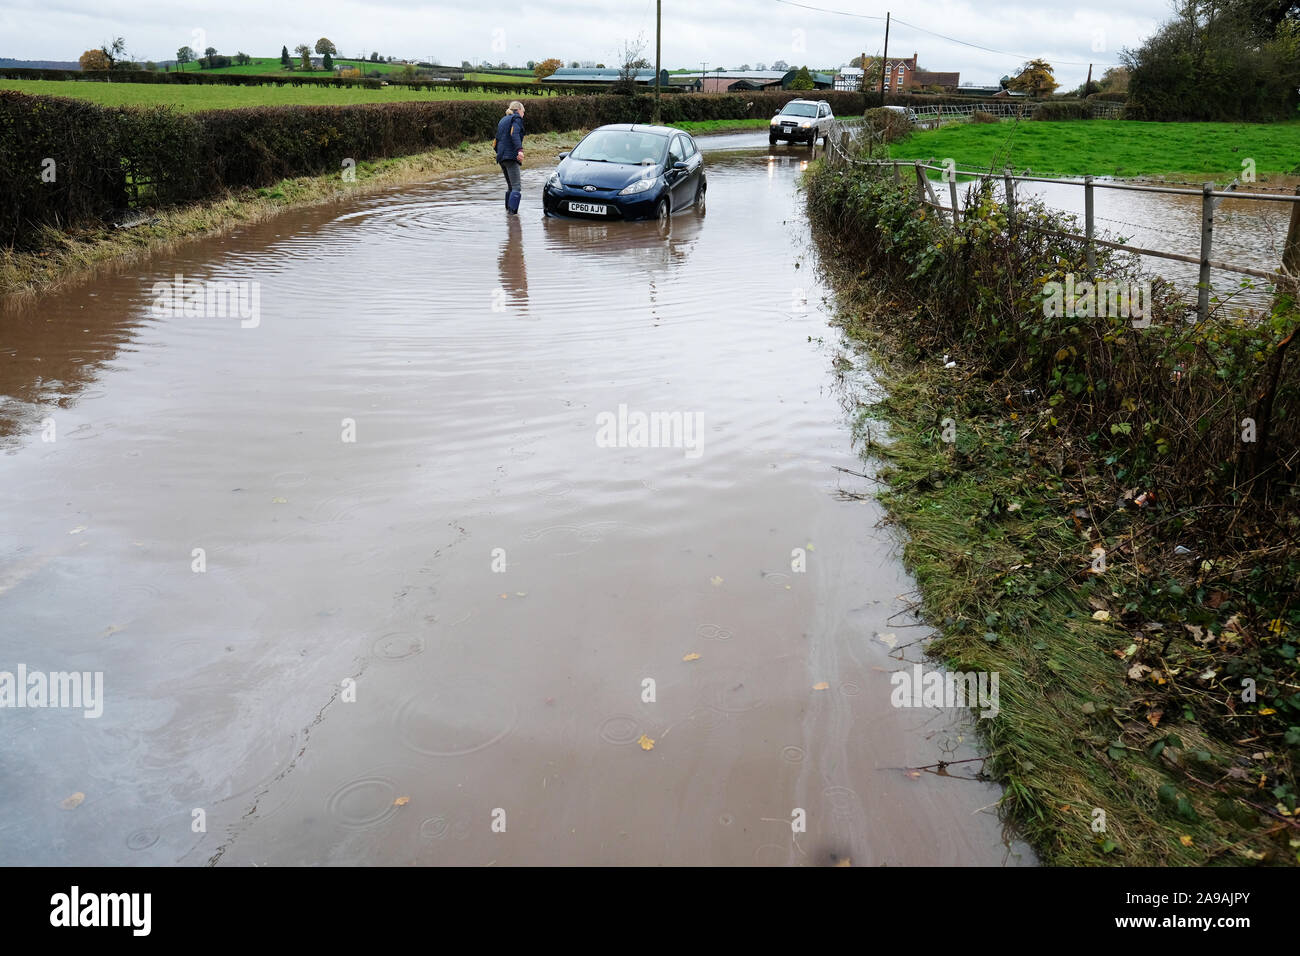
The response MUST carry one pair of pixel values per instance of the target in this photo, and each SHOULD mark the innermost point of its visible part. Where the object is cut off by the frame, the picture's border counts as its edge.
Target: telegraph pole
(884, 60)
(1087, 85)
(659, 12)
(703, 64)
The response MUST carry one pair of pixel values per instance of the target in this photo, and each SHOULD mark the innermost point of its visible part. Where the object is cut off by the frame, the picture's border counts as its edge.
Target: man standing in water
(510, 151)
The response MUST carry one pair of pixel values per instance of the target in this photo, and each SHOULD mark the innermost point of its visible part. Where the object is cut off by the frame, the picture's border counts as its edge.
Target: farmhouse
(901, 75)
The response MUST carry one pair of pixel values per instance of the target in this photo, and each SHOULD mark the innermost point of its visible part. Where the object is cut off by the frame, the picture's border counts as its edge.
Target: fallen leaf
(401, 801)
(887, 639)
(691, 657)
(1153, 717)
(646, 743)
(821, 685)
(809, 547)
(74, 801)
(1185, 840)
(1137, 670)
(1101, 615)
(277, 500)
(1265, 711)
(844, 863)
(716, 581)
(78, 529)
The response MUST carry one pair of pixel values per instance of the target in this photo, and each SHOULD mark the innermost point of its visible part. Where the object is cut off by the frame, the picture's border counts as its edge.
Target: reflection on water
(514, 273)
(362, 575)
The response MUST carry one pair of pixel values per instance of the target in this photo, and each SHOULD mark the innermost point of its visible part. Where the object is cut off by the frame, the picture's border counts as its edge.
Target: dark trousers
(510, 169)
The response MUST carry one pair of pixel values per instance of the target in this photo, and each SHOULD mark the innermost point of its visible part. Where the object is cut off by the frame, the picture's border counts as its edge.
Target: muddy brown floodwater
(375, 576)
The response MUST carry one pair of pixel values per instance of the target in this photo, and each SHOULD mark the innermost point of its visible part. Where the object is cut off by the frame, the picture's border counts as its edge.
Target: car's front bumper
(642, 206)
(796, 135)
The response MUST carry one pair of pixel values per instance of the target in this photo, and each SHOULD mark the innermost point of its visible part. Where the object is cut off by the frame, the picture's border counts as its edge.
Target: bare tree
(630, 60)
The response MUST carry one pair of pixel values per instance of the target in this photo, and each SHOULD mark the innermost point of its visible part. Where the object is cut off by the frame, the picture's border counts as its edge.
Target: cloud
(724, 33)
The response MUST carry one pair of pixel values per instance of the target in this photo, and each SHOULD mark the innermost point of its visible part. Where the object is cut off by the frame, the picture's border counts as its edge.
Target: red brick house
(902, 75)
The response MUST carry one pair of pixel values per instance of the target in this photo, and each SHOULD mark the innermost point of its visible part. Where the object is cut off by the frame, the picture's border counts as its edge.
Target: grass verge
(66, 255)
(723, 125)
(1125, 734)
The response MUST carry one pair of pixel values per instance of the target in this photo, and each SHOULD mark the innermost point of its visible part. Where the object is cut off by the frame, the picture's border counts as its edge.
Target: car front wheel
(663, 211)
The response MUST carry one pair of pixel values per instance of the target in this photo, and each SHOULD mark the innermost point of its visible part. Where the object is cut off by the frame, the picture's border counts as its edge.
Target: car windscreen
(621, 146)
(799, 109)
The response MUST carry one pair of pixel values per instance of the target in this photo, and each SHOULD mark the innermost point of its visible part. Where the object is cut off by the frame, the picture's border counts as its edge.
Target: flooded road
(386, 573)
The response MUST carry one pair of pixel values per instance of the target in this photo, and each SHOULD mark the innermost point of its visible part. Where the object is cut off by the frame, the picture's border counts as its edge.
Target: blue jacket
(510, 137)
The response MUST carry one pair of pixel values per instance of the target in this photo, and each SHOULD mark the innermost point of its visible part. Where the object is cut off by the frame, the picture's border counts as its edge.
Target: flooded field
(379, 568)
(1250, 233)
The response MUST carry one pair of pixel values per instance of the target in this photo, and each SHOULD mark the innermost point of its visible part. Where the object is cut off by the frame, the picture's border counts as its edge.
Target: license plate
(590, 208)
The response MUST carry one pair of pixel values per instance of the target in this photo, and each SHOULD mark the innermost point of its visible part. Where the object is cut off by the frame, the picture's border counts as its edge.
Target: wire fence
(846, 140)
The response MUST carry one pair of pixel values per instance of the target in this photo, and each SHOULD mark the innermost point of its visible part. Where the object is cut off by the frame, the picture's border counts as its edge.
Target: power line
(1022, 56)
(975, 46)
(838, 13)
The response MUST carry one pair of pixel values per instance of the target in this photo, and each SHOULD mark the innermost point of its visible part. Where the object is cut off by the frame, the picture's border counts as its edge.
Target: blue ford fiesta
(627, 171)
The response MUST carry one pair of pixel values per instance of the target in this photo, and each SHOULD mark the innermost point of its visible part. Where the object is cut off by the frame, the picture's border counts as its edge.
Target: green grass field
(195, 98)
(1113, 147)
(271, 65)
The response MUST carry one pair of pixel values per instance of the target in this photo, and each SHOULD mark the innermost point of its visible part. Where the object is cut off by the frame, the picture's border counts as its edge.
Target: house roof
(933, 78)
(591, 75)
(767, 76)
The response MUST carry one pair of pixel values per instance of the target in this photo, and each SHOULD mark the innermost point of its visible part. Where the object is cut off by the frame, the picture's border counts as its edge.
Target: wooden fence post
(1291, 248)
(1207, 241)
(1010, 187)
(898, 177)
(920, 183)
(1089, 226)
(952, 193)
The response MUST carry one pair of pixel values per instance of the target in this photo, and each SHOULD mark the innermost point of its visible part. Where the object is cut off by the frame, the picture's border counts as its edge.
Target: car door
(824, 119)
(695, 160)
(677, 179)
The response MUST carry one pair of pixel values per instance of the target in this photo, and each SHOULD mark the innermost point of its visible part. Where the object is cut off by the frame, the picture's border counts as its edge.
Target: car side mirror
(679, 165)
(564, 156)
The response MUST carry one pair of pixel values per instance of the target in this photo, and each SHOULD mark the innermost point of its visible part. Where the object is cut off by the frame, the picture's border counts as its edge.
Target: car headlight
(776, 121)
(805, 125)
(640, 186)
(554, 181)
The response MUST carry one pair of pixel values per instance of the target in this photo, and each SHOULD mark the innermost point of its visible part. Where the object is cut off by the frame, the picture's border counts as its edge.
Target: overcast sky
(724, 33)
